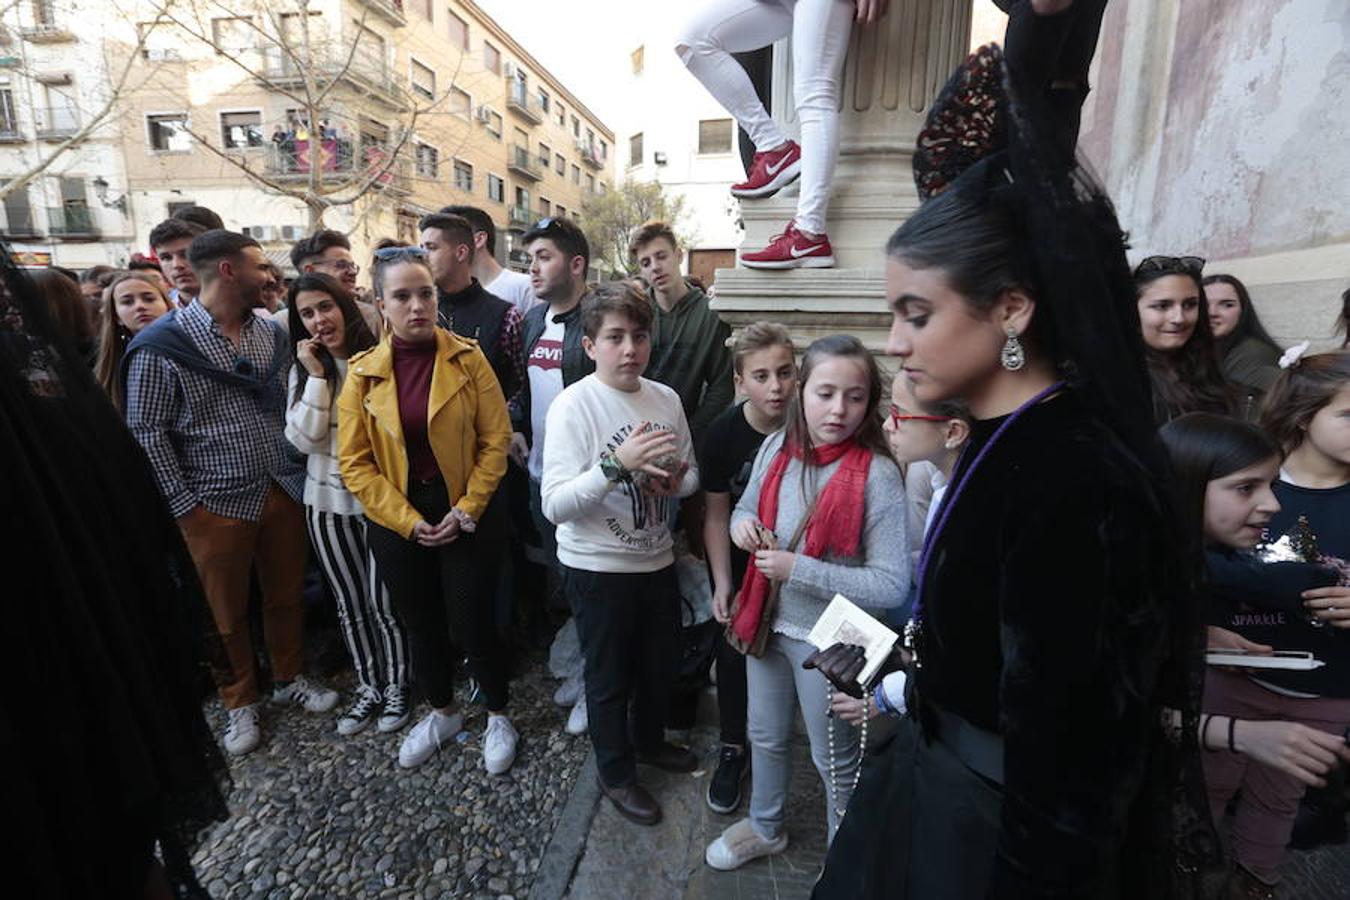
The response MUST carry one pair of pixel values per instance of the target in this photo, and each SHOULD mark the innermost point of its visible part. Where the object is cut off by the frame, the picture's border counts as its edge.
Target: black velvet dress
(1046, 632)
(107, 752)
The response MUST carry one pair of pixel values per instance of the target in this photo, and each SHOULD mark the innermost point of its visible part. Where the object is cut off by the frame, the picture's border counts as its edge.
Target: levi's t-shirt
(544, 368)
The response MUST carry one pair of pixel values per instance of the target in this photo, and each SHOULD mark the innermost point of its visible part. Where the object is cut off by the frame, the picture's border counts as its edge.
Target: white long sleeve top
(311, 425)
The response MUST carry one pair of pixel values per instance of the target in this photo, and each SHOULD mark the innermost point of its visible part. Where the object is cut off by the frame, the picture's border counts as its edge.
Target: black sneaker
(724, 790)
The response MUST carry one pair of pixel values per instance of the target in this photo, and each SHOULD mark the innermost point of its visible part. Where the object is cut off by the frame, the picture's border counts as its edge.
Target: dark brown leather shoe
(668, 757)
(634, 803)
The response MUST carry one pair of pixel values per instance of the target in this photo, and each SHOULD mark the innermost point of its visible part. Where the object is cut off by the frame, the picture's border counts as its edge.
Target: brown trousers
(225, 551)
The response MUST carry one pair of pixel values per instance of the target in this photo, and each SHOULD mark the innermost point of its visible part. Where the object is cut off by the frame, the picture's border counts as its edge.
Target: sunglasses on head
(384, 254)
(897, 417)
(1191, 265)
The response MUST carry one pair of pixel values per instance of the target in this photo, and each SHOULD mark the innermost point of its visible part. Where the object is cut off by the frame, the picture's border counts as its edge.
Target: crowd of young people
(1084, 477)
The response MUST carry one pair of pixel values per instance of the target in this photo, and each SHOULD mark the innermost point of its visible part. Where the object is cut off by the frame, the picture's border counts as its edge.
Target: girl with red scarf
(828, 481)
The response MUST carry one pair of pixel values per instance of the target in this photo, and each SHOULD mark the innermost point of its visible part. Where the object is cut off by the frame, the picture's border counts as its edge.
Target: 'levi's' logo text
(546, 355)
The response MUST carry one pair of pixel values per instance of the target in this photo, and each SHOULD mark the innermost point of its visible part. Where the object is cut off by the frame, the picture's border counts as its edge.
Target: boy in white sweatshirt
(617, 452)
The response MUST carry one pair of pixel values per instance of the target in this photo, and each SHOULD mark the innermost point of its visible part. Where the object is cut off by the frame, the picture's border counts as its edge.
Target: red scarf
(835, 527)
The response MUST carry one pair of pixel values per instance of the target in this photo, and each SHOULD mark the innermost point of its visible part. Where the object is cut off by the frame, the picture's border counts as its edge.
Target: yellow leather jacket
(467, 425)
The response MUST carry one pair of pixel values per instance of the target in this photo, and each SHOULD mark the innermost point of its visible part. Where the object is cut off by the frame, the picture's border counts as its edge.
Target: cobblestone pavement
(318, 815)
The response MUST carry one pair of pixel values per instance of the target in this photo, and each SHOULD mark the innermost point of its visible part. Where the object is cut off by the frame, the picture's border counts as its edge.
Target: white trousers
(820, 31)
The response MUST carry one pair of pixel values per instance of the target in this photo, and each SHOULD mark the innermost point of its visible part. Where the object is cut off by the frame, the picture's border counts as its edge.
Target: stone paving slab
(665, 862)
(623, 861)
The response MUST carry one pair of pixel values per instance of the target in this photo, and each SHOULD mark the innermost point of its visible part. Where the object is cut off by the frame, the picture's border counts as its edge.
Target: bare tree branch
(114, 98)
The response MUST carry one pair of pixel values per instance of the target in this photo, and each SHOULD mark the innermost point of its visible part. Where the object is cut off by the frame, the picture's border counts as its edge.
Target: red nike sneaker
(792, 250)
(770, 171)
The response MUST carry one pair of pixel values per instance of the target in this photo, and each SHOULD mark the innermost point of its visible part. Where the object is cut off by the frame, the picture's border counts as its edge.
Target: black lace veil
(107, 749)
(987, 145)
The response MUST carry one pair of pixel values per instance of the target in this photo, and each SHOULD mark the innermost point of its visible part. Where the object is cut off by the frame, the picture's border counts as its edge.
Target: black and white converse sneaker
(368, 702)
(396, 712)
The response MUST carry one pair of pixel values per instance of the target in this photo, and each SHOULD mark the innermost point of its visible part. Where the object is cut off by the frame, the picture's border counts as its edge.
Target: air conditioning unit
(163, 54)
(509, 70)
(485, 114)
(261, 232)
(292, 232)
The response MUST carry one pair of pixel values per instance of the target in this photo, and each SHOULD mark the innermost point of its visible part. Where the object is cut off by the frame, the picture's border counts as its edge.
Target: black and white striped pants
(375, 639)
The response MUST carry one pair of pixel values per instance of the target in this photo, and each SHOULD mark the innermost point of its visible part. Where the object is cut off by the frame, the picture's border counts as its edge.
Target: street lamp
(101, 191)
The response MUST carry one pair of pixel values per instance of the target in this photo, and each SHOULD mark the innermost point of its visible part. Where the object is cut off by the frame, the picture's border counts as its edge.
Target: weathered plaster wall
(1223, 130)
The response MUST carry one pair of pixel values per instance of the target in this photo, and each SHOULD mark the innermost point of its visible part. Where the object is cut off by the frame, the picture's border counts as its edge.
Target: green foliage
(610, 218)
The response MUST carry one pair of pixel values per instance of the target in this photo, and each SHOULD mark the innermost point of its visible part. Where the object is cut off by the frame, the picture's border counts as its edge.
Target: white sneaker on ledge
(242, 733)
(309, 694)
(427, 737)
(499, 744)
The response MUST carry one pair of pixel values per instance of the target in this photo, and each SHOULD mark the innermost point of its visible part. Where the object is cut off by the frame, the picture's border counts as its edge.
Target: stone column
(892, 72)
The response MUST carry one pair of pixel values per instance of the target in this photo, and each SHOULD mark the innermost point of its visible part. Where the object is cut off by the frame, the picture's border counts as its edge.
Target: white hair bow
(1293, 355)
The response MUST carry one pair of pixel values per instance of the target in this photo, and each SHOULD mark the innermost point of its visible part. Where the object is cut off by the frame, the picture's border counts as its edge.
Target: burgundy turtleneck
(413, 368)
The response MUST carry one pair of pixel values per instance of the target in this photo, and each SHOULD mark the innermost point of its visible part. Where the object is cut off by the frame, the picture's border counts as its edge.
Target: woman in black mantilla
(1053, 627)
(108, 757)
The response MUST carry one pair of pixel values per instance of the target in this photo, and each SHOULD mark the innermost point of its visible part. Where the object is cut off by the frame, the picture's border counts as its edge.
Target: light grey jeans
(778, 686)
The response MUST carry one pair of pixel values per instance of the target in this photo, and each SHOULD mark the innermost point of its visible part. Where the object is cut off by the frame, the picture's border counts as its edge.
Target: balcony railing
(589, 156)
(56, 123)
(365, 74)
(336, 160)
(519, 100)
(520, 217)
(72, 221)
(20, 224)
(46, 33)
(389, 10)
(522, 162)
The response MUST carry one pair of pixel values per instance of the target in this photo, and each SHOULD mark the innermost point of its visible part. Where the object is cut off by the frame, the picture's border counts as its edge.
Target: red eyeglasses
(897, 417)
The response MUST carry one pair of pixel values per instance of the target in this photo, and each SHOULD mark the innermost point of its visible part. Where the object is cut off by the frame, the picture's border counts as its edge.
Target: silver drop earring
(1013, 356)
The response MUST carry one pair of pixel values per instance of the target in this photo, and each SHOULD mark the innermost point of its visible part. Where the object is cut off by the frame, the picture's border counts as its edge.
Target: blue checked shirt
(208, 442)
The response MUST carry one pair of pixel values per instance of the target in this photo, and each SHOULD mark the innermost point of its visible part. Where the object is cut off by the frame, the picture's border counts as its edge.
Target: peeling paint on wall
(1254, 144)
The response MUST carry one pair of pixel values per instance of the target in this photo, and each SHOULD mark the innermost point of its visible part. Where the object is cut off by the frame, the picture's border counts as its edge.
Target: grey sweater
(878, 580)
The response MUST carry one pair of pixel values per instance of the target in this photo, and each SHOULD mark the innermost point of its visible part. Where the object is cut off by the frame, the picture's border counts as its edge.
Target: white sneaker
(241, 732)
(396, 712)
(499, 744)
(577, 721)
(427, 737)
(570, 691)
(307, 693)
(358, 715)
(739, 844)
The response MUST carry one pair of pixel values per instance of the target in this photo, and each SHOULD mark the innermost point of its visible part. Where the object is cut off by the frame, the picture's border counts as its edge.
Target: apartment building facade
(368, 112)
(58, 206)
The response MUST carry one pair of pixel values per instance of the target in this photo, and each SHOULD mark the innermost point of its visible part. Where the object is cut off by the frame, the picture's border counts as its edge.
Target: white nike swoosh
(773, 170)
(799, 253)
